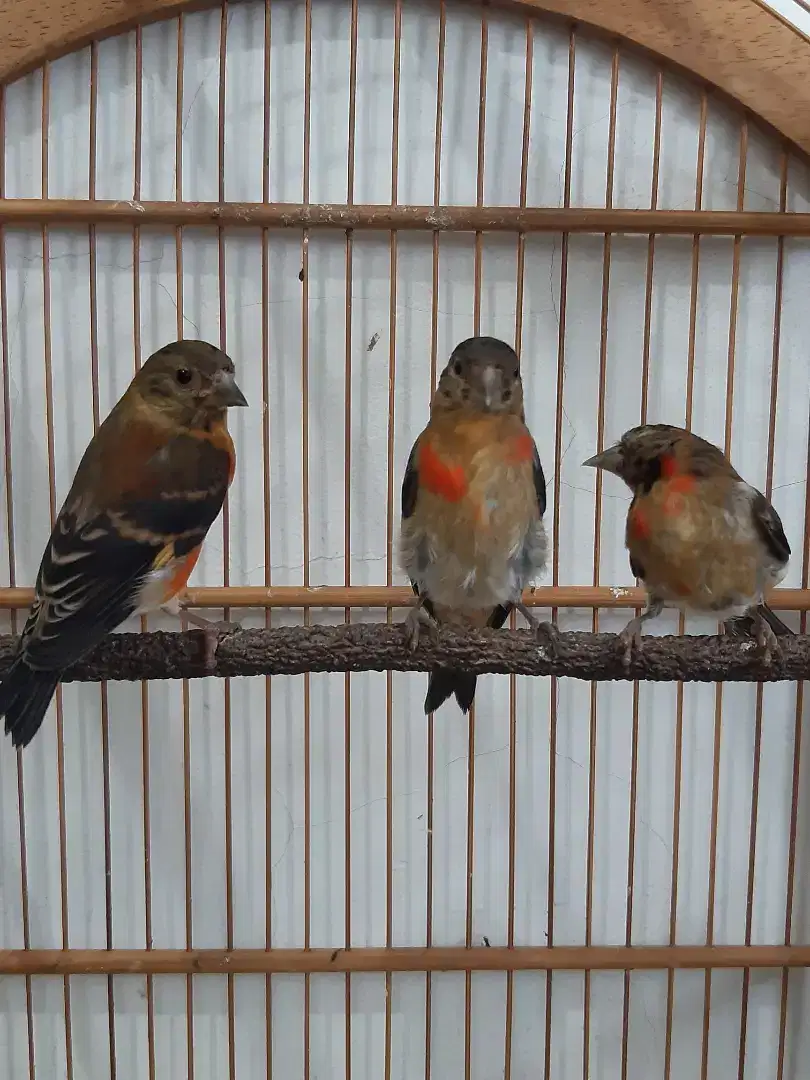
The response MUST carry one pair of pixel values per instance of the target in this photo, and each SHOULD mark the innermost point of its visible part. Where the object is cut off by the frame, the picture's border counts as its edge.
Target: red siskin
(699, 537)
(149, 487)
(473, 500)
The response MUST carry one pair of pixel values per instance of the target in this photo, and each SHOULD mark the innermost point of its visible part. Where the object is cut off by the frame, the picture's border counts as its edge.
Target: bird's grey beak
(610, 460)
(226, 391)
(490, 380)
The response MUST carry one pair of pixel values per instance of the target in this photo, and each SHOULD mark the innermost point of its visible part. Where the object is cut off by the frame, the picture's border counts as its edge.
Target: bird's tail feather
(745, 626)
(25, 695)
(443, 682)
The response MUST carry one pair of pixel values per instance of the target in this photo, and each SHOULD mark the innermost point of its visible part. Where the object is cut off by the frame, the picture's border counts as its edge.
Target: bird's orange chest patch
(440, 478)
(520, 449)
(672, 488)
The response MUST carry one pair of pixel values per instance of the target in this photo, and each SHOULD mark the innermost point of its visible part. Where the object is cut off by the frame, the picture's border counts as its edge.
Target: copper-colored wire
(718, 708)
(797, 736)
(227, 724)
(347, 541)
(477, 275)
(136, 348)
(105, 730)
(597, 543)
(519, 300)
(49, 418)
(389, 528)
(268, 574)
(347, 772)
(178, 249)
(645, 386)
(555, 557)
(434, 346)
(752, 842)
(690, 393)
(305, 544)
(12, 577)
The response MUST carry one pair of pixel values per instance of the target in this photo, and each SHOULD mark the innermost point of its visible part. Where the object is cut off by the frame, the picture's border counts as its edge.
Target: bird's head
(189, 381)
(482, 375)
(644, 454)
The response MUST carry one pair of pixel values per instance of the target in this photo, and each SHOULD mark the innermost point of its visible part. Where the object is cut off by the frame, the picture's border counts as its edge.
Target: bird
(472, 505)
(699, 537)
(148, 488)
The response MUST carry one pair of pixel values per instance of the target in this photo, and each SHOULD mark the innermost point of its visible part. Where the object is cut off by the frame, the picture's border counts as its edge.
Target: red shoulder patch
(439, 478)
(520, 449)
(639, 526)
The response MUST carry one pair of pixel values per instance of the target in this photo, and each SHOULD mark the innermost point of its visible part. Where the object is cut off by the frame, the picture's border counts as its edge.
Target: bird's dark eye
(457, 368)
(507, 395)
(183, 376)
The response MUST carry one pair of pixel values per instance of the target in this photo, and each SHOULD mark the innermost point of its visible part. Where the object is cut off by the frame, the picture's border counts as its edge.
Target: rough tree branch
(382, 647)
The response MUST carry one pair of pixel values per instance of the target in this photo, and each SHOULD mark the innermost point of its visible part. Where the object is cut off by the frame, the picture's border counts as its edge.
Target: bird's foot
(212, 632)
(546, 634)
(419, 618)
(767, 642)
(630, 640)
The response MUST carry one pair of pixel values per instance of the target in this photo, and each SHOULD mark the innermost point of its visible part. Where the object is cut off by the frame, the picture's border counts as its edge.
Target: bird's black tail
(443, 683)
(745, 626)
(25, 695)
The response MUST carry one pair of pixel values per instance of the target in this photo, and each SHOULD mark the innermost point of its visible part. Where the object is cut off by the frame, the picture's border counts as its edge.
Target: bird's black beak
(610, 460)
(226, 392)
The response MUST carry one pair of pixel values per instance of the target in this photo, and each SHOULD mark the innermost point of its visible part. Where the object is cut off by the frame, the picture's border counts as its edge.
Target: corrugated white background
(268, 724)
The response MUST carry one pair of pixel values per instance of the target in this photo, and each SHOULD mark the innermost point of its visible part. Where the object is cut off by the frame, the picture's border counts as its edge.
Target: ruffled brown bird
(699, 537)
(473, 500)
(147, 490)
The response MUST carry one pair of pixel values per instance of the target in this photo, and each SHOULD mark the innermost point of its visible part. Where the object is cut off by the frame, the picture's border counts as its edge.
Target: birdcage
(299, 874)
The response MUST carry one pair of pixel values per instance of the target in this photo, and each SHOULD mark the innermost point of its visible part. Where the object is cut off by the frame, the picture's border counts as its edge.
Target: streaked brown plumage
(148, 488)
(699, 537)
(473, 499)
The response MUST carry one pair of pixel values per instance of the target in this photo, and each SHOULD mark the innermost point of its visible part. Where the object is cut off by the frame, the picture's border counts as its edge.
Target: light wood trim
(397, 596)
(126, 213)
(450, 958)
(739, 46)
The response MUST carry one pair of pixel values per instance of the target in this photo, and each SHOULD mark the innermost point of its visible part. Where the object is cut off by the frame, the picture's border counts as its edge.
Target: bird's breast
(698, 547)
(476, 538)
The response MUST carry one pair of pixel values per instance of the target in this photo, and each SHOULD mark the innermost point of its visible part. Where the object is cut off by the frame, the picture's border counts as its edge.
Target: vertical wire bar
(555, 556)
(389, 545)
(105, 727)
(645, 386)
(434, 346)
(718, 700)
(679, 699)
(305, 539)
(798, 722)
(347, 540)
(228, 732)
(12, 578)
(136, 349)
(597, 544)
(60, 735)
(178, 250)
(477, 274)
(519, 300)
(268, 574)
(752, 848)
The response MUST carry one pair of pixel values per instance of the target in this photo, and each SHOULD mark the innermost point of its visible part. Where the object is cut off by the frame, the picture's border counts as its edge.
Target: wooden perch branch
(382, 647)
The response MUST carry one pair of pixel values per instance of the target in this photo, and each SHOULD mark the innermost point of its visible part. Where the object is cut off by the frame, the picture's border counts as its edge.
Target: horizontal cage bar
(434, 958)
(395, 596)
(582, 219)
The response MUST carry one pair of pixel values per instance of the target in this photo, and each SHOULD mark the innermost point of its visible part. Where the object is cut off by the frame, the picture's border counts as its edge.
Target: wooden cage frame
(738, 47)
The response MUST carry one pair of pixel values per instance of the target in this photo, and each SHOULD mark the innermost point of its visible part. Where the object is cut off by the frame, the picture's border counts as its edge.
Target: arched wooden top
(739, 46)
